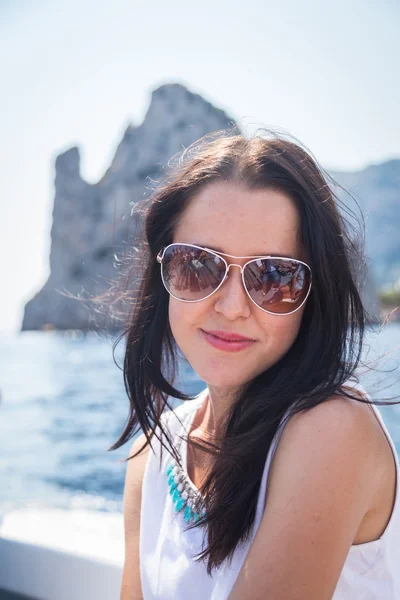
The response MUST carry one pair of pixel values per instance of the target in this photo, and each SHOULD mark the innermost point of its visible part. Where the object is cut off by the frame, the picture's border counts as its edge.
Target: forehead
(237, 221)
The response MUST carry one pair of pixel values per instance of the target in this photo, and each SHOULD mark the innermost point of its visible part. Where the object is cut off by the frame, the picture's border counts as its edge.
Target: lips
(225, 341)
(228, 337)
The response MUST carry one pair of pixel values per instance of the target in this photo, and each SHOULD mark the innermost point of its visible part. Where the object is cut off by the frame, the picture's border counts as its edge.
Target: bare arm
(131, 586)
(321, 483)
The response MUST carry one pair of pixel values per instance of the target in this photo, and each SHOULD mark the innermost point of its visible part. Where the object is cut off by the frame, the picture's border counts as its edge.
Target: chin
(222, 377)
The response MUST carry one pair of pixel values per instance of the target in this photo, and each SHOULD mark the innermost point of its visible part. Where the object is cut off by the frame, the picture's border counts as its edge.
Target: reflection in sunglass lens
(191, 273)
(278, 285)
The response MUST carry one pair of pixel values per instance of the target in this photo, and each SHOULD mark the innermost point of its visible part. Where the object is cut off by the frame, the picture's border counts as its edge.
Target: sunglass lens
(277, 285)
(190, 273)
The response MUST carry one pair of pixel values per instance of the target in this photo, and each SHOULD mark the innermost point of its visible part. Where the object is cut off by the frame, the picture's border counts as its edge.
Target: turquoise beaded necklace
(184, 495)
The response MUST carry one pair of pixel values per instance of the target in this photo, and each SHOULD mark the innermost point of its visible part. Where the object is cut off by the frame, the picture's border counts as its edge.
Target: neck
(210, 420)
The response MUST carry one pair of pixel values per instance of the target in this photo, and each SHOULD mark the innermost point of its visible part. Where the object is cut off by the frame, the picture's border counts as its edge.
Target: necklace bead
(183, 494)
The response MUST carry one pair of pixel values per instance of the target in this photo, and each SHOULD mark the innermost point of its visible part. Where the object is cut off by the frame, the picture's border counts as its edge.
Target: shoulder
(136, 465)
(130, 586)
(335, 429)
(139, 448)
(333, 450)
(318, 494)
(337, 412)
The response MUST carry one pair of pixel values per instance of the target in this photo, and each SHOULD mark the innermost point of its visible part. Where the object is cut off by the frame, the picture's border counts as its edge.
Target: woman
(279, 480)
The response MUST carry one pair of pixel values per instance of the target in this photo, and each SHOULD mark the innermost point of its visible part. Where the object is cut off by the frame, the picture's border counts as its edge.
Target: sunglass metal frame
(160, 257)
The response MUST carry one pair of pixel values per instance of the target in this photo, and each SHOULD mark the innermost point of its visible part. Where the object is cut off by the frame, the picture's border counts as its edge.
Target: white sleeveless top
(169, 571)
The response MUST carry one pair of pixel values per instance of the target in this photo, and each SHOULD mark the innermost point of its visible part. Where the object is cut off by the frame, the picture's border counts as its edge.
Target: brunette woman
(279, 480)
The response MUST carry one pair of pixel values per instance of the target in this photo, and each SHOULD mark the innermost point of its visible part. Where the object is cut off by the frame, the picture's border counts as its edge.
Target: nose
(231, 299)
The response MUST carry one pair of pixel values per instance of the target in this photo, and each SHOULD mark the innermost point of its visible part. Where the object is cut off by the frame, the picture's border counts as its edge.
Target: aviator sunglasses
(276, 284)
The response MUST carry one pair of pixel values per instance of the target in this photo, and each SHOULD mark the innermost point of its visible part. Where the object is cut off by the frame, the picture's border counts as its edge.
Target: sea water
(63, 404)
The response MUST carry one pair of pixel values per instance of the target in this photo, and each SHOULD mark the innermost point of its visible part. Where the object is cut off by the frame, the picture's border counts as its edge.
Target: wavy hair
(324, 355)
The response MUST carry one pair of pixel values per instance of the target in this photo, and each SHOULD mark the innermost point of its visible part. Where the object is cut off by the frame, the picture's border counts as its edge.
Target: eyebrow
(217, 249)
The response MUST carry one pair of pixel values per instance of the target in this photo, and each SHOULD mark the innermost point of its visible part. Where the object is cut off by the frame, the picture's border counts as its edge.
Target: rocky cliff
(90, 222)
(377, 189)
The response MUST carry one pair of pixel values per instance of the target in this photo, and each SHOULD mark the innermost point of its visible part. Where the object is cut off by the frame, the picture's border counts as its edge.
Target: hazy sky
(78, 72)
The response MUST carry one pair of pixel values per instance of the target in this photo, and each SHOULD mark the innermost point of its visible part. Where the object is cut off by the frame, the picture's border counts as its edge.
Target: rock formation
(92, 222)
(377, 189)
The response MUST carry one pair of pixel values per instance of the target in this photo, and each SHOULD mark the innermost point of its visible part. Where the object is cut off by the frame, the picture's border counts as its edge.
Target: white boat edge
(54, 554)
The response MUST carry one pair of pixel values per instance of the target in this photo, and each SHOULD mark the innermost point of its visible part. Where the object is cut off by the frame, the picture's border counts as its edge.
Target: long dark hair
(324, 355)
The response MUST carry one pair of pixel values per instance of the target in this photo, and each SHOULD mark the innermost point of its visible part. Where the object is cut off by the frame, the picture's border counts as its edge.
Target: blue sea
(63, 404)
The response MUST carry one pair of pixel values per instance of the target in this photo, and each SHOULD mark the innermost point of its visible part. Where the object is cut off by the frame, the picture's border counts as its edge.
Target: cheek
(183, 317)
(283, 329)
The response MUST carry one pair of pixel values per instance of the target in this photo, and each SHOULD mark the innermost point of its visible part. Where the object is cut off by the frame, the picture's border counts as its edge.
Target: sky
(78, 72)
